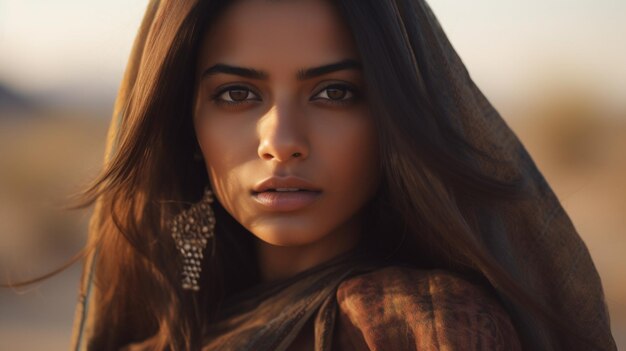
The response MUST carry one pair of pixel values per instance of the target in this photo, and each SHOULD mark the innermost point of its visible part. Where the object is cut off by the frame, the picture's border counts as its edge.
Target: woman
(290, 175)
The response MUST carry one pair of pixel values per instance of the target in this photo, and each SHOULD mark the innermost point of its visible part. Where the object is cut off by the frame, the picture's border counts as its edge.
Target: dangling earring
(191, 230)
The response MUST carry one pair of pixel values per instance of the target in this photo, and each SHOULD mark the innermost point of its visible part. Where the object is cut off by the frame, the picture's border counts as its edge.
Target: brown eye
(238, 95)
(235, 95)
(336, 93)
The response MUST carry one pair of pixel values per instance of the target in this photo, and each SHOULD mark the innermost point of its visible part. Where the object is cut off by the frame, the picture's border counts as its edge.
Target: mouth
(285, 191)
(280, 194)
(285, 200)
(285, 185)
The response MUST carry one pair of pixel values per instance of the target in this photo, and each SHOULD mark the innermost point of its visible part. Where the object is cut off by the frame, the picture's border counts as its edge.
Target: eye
(235, 95)
(336, 93)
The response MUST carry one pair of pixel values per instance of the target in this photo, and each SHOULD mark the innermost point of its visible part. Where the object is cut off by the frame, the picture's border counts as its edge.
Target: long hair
(434, 184)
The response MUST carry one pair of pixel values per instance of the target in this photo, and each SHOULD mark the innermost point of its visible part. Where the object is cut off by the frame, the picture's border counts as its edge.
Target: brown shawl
(356, 303)
(534, 241)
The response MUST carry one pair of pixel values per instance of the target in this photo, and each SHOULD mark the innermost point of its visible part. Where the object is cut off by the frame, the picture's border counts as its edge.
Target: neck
(281, 262)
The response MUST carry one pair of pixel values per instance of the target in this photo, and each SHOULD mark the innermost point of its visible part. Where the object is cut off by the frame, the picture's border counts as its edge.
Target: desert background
(554, 69)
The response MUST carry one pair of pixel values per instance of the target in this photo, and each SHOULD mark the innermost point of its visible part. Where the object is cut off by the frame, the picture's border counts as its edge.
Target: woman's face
(271, 102)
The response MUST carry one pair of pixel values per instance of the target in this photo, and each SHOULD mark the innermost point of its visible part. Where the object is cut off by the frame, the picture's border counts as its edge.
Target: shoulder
(436, 287)
(421, 309)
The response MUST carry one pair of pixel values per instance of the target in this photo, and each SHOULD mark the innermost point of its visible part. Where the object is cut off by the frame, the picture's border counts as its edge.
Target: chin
(286, 238)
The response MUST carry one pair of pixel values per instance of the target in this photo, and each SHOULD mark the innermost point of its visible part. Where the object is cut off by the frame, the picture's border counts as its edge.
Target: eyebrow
(303, 74)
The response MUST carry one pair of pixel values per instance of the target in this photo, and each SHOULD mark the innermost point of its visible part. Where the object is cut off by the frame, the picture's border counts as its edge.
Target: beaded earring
(191, 230)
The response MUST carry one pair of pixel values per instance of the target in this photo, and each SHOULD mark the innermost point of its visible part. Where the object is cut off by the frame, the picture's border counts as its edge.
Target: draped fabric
(534, 240)
(270, 316)
(356, 303)
(403, 308)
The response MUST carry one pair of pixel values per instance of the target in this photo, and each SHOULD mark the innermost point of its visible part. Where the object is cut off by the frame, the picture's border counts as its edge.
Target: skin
(279, 115)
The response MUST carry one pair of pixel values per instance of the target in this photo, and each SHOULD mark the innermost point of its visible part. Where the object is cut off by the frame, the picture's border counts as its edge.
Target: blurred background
(555, 69)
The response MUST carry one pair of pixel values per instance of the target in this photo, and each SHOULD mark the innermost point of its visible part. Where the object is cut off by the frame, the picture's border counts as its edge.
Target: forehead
(278, 34)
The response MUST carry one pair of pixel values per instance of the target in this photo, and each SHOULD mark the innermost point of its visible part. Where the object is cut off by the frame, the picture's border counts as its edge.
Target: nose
(282, 134)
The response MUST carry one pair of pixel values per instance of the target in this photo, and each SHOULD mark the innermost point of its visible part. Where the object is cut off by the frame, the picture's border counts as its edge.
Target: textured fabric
(400, 308)
(357, 304)
(389, 308)
(533, 240)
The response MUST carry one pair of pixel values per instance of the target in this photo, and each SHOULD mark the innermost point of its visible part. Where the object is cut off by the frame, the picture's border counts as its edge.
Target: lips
(268, 195)
(273, 183)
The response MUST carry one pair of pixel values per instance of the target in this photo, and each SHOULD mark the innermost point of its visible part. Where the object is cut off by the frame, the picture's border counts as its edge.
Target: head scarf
(534, 241)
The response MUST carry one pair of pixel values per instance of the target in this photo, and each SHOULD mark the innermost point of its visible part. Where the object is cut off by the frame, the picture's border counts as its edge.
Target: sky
(507, 45)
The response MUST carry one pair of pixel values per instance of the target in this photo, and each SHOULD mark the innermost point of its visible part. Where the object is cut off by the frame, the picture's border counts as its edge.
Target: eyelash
(350, 90)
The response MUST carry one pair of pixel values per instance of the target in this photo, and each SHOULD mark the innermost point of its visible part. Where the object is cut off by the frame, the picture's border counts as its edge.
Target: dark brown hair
(425, 212)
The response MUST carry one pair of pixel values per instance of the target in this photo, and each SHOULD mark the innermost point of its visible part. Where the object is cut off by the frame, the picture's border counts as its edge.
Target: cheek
(225, 146)
(351, 152)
